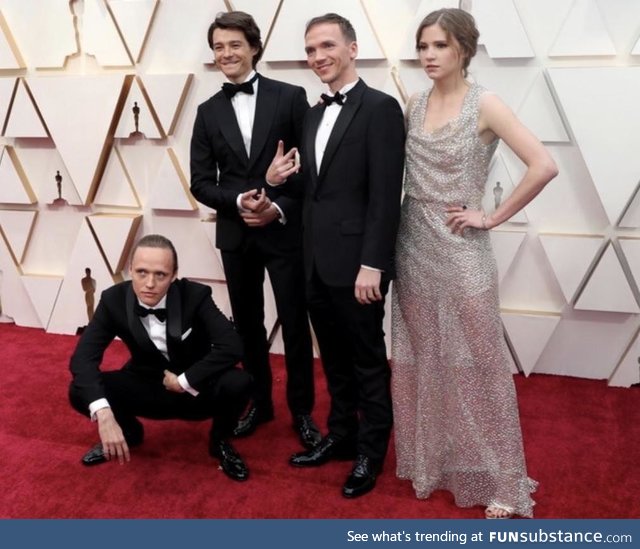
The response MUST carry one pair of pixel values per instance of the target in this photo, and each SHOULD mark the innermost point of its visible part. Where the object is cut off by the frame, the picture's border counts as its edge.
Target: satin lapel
(266, 104)
(136, 327)
(174, 319)
(313, 122)
(345, 117)
(228, 124)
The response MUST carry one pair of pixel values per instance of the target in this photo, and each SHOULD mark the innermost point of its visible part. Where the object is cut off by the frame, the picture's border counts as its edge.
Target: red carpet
(581, 439)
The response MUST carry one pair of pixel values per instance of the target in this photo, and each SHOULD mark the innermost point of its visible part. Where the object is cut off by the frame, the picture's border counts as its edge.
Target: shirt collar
(162, 304)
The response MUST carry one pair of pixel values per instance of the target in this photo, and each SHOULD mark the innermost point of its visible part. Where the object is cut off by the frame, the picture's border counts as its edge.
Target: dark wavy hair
(238, 20)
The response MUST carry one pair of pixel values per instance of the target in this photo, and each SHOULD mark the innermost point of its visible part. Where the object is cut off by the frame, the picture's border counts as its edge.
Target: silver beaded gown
(455, 408)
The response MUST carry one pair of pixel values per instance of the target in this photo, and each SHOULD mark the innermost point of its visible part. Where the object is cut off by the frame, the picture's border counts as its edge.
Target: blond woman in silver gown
(455, 407)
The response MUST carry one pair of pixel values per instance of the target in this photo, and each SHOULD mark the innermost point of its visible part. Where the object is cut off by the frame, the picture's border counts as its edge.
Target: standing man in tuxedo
(353, 160)
(236, 134)
(184, 353)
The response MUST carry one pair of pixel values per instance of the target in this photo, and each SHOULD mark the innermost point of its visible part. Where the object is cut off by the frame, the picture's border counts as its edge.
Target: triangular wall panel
(136, 101)
(167, 93)
(10, 57)
(631, 249)
(505, 247)
(263, 13)
(14, 186)
(627, 372)
(17, 227)
(24, 120)
(631, 217)
(529, 335)
(43, 292)
(608, 289)
(88, 97)
(15, 300)
(570, 257)
(504, 36)
(605, 131)
(134, 19)
(539, 113)
(44, 29)
(100, 36)
(7, 87)
(170, 189)
(116, 188)
(583, 33)
(115, 234)
(70, 311)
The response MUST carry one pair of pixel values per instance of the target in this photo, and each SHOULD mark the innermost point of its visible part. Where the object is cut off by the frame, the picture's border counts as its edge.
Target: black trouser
(132, 395)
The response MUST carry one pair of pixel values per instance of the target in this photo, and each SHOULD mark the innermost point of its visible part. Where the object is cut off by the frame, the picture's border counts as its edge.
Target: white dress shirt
(157, 331)
(331, 113)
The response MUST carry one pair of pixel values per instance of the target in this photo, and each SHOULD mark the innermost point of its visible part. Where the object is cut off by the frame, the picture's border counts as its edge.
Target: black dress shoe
(230, 461)
(327, 449)
(307, 431)
(248, 423)
(362, 478)
(94, 456)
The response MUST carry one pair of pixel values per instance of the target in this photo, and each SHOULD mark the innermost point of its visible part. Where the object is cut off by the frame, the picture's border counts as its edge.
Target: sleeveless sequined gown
(455, 409)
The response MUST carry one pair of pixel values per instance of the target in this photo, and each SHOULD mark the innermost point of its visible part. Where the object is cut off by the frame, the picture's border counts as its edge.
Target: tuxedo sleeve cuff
(182, 380)
(97, 405)
(281, 218)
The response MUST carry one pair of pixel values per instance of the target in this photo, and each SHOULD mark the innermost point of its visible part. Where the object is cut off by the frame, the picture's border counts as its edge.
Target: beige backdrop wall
(71, 74)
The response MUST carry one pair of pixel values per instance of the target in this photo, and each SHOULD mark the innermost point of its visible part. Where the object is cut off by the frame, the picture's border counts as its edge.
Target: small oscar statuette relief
(59, 201)
(136, 121)
(89, 288)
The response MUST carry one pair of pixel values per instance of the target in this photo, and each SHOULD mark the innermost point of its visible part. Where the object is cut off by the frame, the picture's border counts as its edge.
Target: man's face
(152, 272)
(330, 55)
(232, 54)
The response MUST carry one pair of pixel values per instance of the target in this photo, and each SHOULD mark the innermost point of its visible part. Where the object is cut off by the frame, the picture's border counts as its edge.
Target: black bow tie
(338, 98)
(230, 89)
(161, 314)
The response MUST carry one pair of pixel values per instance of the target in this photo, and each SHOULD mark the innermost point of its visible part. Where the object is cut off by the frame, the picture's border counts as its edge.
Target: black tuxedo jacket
(352, 201)
(221, 168)
(201, 341)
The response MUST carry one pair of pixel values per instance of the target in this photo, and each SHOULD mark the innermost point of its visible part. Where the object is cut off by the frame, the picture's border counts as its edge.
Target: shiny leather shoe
(250, 421)
(327, 449)
(362, 478)
(230, 461)
(307, 431)
(94, 456)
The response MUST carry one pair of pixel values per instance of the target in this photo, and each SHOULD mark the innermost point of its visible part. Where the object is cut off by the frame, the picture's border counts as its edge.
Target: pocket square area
(186, 334)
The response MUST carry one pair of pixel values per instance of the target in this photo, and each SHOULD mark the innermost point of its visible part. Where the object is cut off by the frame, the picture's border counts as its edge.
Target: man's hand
(282, 165)
(171, 382)
(111, 435)
(260, 219)
(255, 201)
(368, 286)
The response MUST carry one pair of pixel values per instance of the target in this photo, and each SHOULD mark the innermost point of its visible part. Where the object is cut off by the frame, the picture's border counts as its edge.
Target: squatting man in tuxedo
(352, 168)
(235, 136)
(183, 365)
